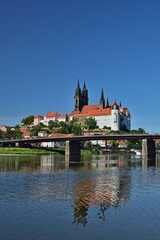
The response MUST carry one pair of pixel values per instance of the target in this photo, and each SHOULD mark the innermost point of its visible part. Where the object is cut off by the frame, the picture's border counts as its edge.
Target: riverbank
(10, 150)
(25, 151)
(41, 151)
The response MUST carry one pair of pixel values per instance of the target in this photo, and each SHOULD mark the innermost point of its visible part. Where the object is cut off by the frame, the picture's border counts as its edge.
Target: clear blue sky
(47, 45)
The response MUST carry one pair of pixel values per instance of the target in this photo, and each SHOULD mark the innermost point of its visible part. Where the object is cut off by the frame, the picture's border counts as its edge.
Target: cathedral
(107, 115)
(111, 116)
(80, 97)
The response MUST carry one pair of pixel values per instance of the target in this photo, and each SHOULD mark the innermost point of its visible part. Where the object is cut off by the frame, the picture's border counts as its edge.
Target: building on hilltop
(50, 116)
(38, 119)
(3, 129)
(112, 115)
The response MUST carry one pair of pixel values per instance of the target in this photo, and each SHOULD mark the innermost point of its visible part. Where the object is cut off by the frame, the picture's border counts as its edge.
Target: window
(115, 117)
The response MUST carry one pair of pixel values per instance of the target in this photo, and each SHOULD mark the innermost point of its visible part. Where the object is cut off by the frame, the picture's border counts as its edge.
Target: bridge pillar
(148, 148)
(72, 151)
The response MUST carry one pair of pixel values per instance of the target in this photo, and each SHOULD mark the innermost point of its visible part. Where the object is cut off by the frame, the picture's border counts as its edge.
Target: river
(102, 197)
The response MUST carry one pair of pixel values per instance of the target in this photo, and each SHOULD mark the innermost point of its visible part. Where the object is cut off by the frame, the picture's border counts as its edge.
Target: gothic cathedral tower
(80, 97)
(102, 100)
(84, 95)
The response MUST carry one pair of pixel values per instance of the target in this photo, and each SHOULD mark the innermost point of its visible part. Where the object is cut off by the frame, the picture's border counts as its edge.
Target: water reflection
(150, 162)
(110, 189)
(99, 182)
(52, 163)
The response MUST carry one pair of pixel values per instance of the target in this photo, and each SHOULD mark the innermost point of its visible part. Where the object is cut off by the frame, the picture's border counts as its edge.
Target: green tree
(90, 123)
(28, 120)
(77, 130)
(36, 129)
(2, 134)
(14, 132)
(70, 127)
(114, 143)
(74, 127)
(140, 131)
(134, 143)
(62, 127)
(51, 124)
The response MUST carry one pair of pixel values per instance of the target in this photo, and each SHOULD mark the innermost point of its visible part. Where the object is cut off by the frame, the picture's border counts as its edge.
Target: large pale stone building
(112, 115)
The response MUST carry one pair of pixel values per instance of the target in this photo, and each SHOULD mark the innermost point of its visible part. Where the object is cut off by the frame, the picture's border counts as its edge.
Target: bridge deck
(83, 138)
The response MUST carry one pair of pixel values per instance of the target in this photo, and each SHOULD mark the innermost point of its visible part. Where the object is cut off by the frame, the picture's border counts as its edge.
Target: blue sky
(47, 45)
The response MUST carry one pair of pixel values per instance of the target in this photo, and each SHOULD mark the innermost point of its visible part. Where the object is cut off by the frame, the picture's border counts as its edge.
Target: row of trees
(11, 133)
(65, 127)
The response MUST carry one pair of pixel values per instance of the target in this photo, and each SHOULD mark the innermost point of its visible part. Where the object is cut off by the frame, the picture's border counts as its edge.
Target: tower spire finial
(84, 95)
(102, 100)
(107, 105)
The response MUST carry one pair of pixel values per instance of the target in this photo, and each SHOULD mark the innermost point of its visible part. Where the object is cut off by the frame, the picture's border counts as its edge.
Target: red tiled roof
(74, 112)
(88, 108)
(112, 104)
(93, 110)
(122, 142)
(51, 114)
(38, 116)
(62, 115)
(26, 132)
(60, 135)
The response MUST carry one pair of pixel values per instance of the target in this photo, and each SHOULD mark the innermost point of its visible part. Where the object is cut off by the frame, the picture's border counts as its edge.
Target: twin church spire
(81, 98)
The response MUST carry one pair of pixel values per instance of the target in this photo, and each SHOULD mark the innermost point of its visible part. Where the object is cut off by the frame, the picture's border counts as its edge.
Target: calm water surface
(105, 197)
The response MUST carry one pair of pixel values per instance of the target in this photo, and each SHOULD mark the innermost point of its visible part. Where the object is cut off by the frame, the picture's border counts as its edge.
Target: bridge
(72, 149)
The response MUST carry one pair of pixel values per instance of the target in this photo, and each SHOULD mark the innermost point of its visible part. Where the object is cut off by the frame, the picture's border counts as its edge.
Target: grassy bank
(90, 152)
(25, 151)
(13, 150)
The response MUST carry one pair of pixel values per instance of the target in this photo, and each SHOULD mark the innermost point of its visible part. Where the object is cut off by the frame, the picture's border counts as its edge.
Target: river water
(105, 197)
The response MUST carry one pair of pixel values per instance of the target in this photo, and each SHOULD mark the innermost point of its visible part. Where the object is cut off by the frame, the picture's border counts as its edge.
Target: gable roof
(51, 114)
(91, 107)
(62, 116)
(92, 110)
(38, 116)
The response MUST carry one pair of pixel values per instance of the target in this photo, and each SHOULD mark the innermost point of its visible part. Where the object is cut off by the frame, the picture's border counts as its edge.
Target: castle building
(107, 115)
(112, 115)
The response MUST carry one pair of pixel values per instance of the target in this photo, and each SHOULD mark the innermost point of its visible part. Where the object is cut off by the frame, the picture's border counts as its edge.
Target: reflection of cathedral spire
(80, 215)
(87, 194)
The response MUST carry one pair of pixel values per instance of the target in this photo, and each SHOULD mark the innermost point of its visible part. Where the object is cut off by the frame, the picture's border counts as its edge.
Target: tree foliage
(139, 131)
(90, 123)
(2, 134)
(14, 133)
(134, 143)
(36, 129)
(69, 127)
(28, 120)
(52, 124)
